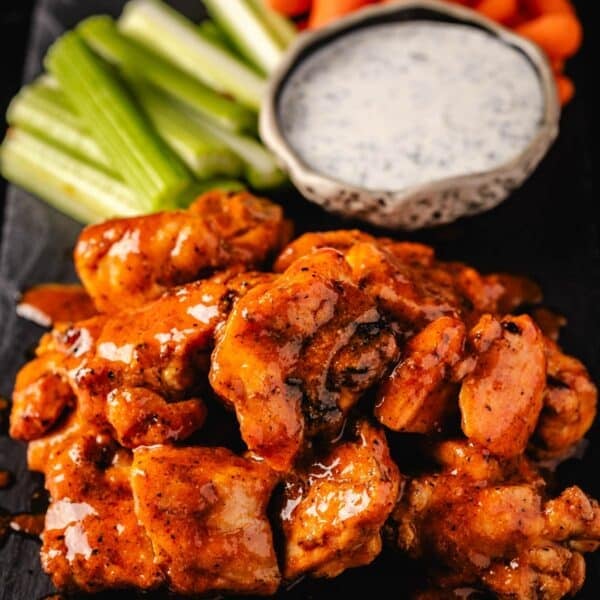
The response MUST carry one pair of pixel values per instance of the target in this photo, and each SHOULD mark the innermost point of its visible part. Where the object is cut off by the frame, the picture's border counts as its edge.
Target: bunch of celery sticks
(145, 112)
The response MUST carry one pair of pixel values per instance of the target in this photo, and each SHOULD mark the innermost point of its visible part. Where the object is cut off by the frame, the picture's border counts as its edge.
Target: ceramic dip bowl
(356, 190)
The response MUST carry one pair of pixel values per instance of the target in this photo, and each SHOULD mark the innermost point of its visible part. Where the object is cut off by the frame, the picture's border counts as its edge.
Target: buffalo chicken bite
(421, 389)
(296, 354)
(204, 510)
(501, 398)
(127, 413)
(334, 509)
(123, 263)
(488, 523)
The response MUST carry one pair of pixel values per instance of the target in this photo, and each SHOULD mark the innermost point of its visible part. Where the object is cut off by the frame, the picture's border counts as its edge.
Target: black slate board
(548, 230)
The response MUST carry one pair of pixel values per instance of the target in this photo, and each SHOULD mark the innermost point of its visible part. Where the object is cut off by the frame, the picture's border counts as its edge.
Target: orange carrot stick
(325, 11)
(559, 34)
(498, 10)
(291, 8)
(537, 8)
(565, 87)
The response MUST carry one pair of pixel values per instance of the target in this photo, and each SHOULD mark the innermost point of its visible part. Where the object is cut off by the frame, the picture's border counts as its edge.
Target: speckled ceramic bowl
(432, 203)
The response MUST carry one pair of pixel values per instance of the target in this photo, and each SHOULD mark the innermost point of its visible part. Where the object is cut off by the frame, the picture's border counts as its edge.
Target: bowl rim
(273, 137)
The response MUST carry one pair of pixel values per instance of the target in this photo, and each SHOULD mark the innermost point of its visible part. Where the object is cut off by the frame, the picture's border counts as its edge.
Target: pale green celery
(177, 39)
(102, 35)
(261, 170)
(121, 129)
(282, 28)
(204, 154)
(211, 33)
(250, 35)
(42, 109)
(71, 185)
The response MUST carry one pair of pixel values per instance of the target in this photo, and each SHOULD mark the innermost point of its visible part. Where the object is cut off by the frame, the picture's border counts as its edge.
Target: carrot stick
(498, 10)
(537, 8)
(325, 11)
(291, 8)
(565, 87)
(559, 34)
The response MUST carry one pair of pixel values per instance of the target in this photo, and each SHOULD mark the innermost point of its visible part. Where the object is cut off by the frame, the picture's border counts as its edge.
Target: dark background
(15, 17)
(549, 229)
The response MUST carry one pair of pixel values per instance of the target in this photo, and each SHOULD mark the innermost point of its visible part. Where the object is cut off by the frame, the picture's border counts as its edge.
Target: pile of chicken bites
(216, 428)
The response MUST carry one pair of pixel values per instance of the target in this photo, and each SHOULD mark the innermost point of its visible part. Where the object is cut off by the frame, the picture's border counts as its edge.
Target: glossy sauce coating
(124, 263)
(123, 418)
(295, 356)
(55, 303)
(490, 522)
(334, 509)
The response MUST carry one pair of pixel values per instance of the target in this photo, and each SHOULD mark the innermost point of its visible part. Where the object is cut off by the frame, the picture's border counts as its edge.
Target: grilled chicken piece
(44, 389)
(123, 263)
(141, 417)
(92, 539)
(488, 524)
(570, 400)
(411, 294)
(296, 354)
(41, 395)
(414, 276)
(135, 371)
(334, 509)
(343, 239)
(205, 511)
(421, 389)
(308, 243)
(501, 398)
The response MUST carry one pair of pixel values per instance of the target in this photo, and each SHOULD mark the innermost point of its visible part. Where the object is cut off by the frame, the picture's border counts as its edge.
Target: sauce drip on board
(5, 479)
(23, 523)
(54, 303)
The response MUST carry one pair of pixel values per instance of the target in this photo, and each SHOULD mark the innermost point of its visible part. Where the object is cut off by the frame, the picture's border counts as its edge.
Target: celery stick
(283, 29)
(69, 184)
(169, 33)
(107, 110)
(211, 33)
(225, 185)
(247, 31)
(42, 110)
(261, 170)
(102, 35)
(204, 154)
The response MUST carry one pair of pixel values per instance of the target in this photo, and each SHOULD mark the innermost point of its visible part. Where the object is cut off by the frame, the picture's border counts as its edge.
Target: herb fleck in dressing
(395, 105)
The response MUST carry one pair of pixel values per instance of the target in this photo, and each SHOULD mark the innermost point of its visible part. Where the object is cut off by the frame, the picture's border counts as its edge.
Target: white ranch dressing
(394, 105)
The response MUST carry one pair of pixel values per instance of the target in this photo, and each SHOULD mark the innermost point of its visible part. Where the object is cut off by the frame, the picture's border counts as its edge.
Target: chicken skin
(191, 519)
(124, 263)
(488, 524)
(334, 509)
(208, 429)
(343, 240)
(501, 398)
(92, 539)
(410, 283)
(204, 510)
(569, 408)
(295, 355)
(135, 372)
(421, 389)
